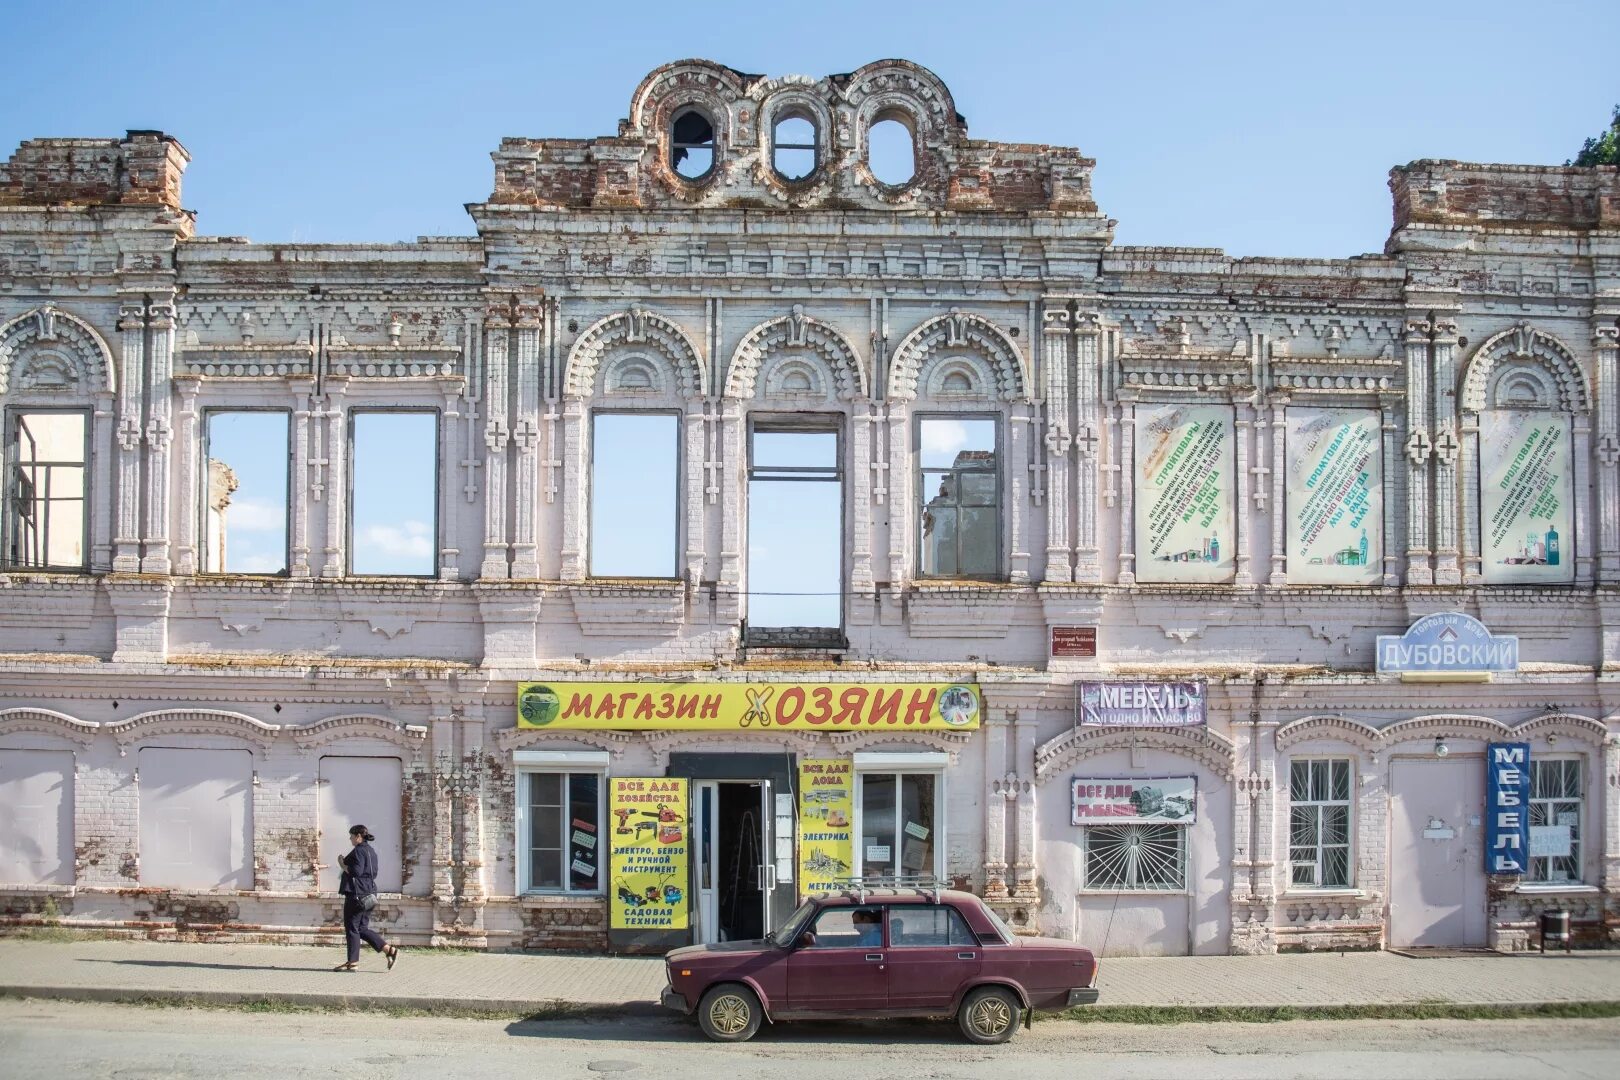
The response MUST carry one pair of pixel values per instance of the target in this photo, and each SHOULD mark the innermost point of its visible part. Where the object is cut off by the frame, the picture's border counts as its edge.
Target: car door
(840, 971)
(931, 954)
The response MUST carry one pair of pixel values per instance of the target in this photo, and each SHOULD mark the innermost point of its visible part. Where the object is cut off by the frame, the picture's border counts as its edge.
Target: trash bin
(1555, 928)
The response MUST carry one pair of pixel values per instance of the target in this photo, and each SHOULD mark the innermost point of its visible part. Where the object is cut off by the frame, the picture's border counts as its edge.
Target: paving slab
(514, 982)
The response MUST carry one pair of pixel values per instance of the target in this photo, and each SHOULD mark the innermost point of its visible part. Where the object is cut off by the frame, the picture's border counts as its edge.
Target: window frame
(899, 765)
(909, 123)
(8, 516)
(208, 413)
(810, 423)
(438, 483)
(782, 116)
(679, 479)
(1577, 855)
(953, 918)
(920, 488)
(1183, 853)
(1348, 802)
(713, 145)
(564, 764)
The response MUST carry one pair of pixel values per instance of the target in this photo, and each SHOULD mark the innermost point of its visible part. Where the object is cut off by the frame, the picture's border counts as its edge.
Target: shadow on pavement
(674, 1029)
(203, 967)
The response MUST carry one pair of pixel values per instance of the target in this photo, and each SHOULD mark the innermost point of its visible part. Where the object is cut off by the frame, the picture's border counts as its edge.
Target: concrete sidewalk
(507, 982)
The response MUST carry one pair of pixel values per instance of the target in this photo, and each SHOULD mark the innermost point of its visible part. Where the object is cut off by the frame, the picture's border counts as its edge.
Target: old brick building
(707, 402)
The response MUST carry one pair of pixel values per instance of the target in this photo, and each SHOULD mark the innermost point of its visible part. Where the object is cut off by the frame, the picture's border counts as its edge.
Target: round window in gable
(691, 143)
(891, 151)
(793, 146)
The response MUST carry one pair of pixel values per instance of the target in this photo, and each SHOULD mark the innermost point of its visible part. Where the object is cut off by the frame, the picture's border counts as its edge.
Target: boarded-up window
(36, 817)
(196, 818)
(361, 791)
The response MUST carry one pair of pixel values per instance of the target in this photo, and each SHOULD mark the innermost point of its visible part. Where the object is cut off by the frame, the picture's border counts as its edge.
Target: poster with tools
(648, 868)
(1526, 496)
(1184, 468)
(1335, 497)
(826, 824)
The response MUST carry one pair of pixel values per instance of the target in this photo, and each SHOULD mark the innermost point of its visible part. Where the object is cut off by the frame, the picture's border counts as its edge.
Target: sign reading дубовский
(1447, 641)
(1140, 704)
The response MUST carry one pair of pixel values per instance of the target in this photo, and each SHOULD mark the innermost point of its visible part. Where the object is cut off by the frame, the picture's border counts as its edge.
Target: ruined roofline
(144, 168)
(1431, 192)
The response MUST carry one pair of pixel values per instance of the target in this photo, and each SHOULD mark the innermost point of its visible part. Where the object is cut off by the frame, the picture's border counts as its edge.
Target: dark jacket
(359, 871)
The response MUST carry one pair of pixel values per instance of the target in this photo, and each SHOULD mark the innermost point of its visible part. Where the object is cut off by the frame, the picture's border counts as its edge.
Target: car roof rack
(924, 884)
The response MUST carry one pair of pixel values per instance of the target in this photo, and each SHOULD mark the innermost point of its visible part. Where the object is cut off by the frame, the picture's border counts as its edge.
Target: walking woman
(359, 888)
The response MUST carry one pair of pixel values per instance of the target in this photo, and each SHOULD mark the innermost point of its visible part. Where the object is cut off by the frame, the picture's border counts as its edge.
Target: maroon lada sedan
(867, 954)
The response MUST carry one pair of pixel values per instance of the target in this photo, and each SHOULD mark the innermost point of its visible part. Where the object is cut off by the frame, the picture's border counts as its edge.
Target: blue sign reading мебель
(1507, 810)
(1447, 641)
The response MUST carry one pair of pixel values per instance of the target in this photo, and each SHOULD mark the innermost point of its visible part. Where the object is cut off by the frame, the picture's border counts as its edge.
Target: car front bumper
(669, 999)
(1083, 995)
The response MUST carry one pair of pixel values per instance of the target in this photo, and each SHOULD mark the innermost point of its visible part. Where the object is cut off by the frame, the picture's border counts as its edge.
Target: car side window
(848, 928)
(922, 926)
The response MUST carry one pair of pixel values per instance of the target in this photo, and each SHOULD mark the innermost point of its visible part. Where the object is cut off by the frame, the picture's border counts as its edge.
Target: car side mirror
(806, 939)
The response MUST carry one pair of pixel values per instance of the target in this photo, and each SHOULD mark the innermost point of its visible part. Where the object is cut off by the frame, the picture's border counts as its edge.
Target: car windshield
(1001, 927)
(785, 933)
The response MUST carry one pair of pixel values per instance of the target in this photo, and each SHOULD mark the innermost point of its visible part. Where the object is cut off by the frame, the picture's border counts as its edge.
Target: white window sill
(1307, 893)
(1132, 892)
(1556, 888)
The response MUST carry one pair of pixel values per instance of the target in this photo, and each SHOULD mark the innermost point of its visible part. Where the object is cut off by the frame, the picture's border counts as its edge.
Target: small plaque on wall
(1074, 641)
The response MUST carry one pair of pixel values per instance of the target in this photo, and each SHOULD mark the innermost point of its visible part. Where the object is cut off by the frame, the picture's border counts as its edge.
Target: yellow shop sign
(649, 706)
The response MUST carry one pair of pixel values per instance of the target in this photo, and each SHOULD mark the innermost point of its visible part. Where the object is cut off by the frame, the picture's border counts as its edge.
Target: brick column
(189, 452)
(298, 525)
(998, 783)
(1606, 347)
(1446, 448)
(159, 437)
(127, 529)
(695, 435)
(1024, 859)
(1127, 488)
(864, 416)
(337, 473)
(576, 458)
(1055, 440)
(1088, 445)
(1419, 570)
(496, 562)
(526, 440)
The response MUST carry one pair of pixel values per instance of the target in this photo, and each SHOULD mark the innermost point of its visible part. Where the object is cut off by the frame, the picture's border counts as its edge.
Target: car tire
(989, 1015)
(729, 1012)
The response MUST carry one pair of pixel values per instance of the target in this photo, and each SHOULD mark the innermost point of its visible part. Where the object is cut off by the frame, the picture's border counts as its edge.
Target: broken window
(959, 522)
(393, 491)
(793, 146)
(45, 520)
(891, 151)
(795, 524)
(635, 474)
(245, 493)
(691, 144)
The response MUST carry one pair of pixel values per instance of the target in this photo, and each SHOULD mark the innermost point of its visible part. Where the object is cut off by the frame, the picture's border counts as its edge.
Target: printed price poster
(648, 870)
(826, 823)
(1526, 497)
(1335, 497)
(1184, 469)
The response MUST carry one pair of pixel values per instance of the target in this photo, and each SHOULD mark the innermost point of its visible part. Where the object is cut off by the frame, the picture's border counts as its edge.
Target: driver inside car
(869, 927)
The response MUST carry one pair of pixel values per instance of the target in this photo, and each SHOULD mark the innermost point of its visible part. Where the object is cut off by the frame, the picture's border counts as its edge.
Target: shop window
(245, 493)
(898, 824)
(1555, 810)
(891, 151)
(560, 832)
(1136, 857)
(45, 519)
(691, 144)
(793, 146)
(1319, 824)
(393, 492)
(959, 522)
(795, 524)
(922, 925)
(635, 475)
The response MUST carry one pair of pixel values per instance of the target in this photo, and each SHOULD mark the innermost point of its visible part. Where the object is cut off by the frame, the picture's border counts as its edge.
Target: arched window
(793, 145)
(891, 151)
(691, 143)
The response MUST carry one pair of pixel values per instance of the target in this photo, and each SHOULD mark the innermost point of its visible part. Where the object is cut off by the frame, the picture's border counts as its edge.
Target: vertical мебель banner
(1184, 469)
(826, 824)
(1335, 497)
(1507, 808)
(1526, 496)
(648, 872)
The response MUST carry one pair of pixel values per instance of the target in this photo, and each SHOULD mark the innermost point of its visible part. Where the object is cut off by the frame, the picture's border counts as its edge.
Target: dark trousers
(357, 928)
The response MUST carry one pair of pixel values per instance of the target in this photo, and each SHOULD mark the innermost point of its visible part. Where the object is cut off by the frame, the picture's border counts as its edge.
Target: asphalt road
(64, 1039)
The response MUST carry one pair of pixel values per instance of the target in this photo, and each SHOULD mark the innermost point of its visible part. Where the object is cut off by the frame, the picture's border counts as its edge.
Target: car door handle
(874, 956)
(966, 956)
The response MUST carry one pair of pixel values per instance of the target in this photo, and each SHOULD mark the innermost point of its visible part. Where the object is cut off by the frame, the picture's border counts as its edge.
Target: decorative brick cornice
(359, 726)
(1208, 748)
(191, 722)
(47, 722)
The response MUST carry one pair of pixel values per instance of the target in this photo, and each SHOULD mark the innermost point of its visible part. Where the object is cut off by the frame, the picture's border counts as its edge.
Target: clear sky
(1260, 128)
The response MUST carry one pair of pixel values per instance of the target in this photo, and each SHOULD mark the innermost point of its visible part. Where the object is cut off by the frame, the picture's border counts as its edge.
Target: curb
(544, 1009)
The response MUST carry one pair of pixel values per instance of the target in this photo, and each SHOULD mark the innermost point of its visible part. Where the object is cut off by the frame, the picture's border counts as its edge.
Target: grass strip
(1256, 1014)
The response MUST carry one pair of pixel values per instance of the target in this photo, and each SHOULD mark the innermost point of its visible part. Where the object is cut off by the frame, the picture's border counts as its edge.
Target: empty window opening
(959, 518)
(245, 493)
(635, 477)
(393, 492)
(793, 147)
(46, 476)
(891, 152)
(795, 526)
(691, 144)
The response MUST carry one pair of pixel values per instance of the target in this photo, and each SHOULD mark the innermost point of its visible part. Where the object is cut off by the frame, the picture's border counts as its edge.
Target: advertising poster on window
(1157, 800)
(1184, 470)
(826, 824)
(1334, 485)
(648, 868)
(1526, 496)
(697, 706)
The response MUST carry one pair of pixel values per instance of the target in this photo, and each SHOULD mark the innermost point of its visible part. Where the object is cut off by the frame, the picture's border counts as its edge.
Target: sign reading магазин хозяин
(1446, 642)
(1140, 704)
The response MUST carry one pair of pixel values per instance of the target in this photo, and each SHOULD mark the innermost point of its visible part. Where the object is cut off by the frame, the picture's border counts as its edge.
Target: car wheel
(989, 1014)
(729, 1013)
